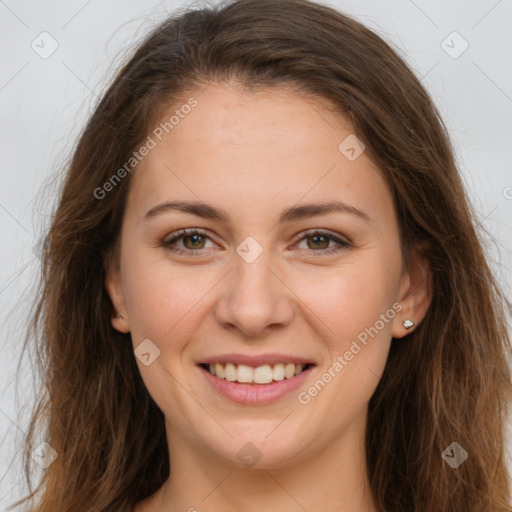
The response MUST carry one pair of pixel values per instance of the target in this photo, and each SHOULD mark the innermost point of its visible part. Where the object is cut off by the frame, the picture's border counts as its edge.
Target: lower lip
(255, 394)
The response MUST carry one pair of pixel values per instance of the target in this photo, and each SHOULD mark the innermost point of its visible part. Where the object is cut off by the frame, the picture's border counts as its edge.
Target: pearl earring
(407, 324)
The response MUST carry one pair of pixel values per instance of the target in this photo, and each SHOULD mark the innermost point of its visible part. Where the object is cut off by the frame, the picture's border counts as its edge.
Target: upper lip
(256, 360)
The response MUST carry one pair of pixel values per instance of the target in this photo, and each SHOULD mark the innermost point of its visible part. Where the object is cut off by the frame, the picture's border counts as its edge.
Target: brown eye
(318, 241)
(195, 242)
(192, 241)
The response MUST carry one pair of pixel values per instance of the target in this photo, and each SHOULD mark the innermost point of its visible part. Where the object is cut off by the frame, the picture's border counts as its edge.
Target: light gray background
(44, 103)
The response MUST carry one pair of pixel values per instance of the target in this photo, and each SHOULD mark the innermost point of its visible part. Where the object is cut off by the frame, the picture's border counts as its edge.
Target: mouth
(259, 375)
(255, 380)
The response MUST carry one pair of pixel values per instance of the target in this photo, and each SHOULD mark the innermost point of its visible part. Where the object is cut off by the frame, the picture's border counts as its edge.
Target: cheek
(355, 306)
(163, 298)
(348, 299)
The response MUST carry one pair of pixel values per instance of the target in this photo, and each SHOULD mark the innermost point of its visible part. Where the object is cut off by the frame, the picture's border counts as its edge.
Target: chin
(259, 450)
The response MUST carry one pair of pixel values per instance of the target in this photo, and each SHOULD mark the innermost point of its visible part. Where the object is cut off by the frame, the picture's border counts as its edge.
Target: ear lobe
(416, 290)
(114, 290)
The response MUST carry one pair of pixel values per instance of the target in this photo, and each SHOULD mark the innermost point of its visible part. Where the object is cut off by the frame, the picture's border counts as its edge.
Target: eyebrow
(291, 214)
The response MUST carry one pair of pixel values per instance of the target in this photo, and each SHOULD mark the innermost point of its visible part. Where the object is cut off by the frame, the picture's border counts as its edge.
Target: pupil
(195, 237)
(316, 237)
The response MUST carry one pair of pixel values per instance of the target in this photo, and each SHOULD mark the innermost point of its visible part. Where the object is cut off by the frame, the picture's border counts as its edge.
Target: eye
(193, 241)
(320, 240)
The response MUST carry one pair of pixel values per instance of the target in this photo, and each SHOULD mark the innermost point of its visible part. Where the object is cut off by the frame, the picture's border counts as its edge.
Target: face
(261, 280)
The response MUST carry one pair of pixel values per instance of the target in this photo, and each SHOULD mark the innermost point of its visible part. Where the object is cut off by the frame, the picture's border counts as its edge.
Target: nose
(255, 298)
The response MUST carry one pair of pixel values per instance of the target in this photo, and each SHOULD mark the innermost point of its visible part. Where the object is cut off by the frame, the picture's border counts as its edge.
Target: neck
(329, 480)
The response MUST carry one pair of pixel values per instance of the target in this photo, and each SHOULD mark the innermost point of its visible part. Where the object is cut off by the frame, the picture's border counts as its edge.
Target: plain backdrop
(45, 99)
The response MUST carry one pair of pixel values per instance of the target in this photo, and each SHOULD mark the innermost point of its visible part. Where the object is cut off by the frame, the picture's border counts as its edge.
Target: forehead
(262, 151)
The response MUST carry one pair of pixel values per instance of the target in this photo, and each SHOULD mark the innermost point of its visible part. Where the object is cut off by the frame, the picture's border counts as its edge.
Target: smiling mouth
(264, 374)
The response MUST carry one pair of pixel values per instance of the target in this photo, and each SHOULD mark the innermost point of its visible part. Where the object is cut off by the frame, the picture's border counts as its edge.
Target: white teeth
(219, 370)
(278, 372)
(289, 370)
(244, 373)
(264, 374)
(230, 372)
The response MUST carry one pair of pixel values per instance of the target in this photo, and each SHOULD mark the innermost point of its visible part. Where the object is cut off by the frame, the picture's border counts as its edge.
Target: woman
(263, 288)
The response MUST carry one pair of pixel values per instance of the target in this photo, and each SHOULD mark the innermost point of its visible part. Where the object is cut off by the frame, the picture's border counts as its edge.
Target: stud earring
(407, 324)
(117, 315)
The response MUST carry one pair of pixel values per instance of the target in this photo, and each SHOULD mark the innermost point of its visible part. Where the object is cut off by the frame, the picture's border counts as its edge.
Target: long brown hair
(449, 382)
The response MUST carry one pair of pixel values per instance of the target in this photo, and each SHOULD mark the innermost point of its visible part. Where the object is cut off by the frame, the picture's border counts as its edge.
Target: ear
(114, 288)
(415, 294)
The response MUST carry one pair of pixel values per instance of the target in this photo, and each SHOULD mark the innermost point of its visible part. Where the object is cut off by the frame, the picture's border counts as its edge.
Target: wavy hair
(449, 383)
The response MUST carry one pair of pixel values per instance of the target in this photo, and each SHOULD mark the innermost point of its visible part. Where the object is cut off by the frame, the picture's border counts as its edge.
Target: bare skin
(255, 155)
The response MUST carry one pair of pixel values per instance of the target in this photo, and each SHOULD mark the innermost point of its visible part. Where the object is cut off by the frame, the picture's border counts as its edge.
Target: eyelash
(190, 232)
